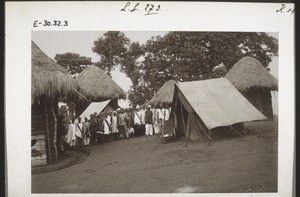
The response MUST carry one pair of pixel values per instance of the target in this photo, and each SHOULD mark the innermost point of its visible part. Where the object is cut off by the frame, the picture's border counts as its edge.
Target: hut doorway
(38, 133)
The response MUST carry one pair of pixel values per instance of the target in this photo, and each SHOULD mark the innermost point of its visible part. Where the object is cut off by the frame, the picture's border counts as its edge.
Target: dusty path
(141, 166)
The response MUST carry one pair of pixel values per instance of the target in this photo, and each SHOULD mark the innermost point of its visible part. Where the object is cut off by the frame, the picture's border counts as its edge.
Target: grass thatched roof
(248, 73)
(96, 85)
(47, 77)
(164, 94)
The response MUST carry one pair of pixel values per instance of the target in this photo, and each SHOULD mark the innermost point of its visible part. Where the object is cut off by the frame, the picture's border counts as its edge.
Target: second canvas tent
(97, 107)
(201, 106)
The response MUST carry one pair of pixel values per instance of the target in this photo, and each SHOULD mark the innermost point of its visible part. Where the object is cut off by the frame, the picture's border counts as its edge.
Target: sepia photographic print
(161, 110)
(154, 112)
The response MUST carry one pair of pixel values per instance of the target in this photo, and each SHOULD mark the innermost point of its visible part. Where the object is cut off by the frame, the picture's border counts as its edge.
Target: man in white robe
(71, 137)
(107, 126)
(114, 125)
(137, 121)
(156, 127)
(167, 112)
(161, 117)
(78, 131)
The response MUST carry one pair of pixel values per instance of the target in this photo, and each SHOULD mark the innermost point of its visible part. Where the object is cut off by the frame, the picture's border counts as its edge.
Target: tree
(138, 95)
(130, 64)
(112, 48)
(73, 62)
(115, 49)
(183, 56)
(188, 56)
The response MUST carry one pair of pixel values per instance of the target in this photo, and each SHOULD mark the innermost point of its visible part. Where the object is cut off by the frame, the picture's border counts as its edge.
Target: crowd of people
(104, 127)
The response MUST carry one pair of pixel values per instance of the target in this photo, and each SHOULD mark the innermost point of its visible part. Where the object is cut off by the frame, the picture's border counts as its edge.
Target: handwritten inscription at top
(147, 9)
(284, 9)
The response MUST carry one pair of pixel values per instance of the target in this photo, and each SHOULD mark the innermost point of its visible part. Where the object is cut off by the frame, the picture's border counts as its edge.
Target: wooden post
(186, 139)
(47, 131)
(71, 109)
(54, 132)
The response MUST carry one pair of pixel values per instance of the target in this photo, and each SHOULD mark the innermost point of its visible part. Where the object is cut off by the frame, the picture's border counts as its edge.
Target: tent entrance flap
(193, 128)
(196, 126)
(187, 120)
(180, 115)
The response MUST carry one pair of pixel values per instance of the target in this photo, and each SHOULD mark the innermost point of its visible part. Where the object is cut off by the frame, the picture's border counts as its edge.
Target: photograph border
(18, 34)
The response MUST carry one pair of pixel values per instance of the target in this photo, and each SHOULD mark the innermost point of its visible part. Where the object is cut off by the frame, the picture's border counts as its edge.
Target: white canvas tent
(208, 104)
(94, 107)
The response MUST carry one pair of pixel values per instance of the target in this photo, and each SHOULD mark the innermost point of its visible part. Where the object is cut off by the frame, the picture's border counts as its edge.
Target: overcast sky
(81, 42)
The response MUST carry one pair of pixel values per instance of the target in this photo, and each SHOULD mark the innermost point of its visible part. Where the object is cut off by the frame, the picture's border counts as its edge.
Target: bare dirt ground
(139, 165)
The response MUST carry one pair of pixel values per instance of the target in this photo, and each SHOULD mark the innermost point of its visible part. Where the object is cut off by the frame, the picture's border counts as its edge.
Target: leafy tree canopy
(183, 56)
(112, 48)
(187, 56)
(73, 62)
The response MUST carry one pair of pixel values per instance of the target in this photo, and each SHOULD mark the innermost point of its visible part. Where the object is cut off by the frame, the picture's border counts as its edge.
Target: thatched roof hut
(96, 85)
(48, 78)
(49, 81)
(255, 82)
(164, 94)
(249, 73)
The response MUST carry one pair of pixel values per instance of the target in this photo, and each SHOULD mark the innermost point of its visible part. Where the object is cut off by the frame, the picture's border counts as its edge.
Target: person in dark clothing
(130, 125)
(122, 121)
(93, 129)
(100, 127)
(61, 132)
(143, 125)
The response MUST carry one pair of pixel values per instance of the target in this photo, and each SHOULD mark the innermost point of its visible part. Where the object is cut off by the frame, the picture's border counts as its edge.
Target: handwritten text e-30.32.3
(57, 23)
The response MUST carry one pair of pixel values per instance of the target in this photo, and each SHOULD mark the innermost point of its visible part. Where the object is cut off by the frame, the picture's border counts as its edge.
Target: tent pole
(237, 132)
(185, 132)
